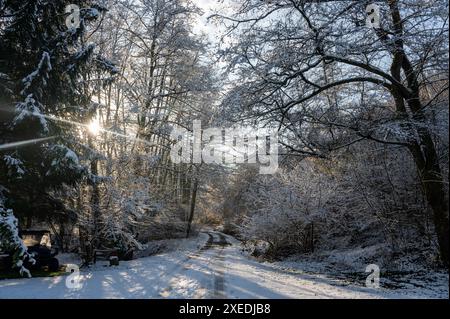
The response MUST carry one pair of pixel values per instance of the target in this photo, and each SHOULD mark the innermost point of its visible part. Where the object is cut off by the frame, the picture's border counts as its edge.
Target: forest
(350, 167)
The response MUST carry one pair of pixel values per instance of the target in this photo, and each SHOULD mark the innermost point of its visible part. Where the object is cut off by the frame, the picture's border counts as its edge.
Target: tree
(329, 81)
(163, 79)
(10, 240)
(44, 66)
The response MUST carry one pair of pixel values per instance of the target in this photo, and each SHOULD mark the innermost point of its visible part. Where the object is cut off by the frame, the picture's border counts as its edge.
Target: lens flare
(94, 127)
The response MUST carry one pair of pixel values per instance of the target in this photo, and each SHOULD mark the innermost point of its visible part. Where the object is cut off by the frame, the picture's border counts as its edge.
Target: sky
(208, 6)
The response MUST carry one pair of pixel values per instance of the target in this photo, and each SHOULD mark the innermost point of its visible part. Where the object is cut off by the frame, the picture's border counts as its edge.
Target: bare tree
(327, 80)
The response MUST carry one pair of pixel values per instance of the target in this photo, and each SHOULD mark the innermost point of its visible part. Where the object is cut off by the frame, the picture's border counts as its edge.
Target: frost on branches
(37, 78)
(30, 108)
(64, 162)
(14, 165)
(33, 89)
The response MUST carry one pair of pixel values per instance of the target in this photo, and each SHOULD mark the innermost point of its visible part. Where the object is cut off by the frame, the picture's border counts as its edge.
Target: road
(212, 266)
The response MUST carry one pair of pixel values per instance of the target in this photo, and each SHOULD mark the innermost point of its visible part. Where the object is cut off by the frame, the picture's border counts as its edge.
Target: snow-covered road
(210, 266)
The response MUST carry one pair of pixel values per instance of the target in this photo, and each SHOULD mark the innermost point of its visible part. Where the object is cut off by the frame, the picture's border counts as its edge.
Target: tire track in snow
(165, 292)
(213, 255)
(219, 269)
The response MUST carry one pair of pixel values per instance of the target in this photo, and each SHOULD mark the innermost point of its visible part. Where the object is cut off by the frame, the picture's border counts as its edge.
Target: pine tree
(10, 241)
(44, 69)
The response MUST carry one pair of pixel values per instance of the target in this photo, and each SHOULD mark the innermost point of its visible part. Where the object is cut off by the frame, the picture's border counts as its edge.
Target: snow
(71, 156)
(30, 78)
(149, 277)
(418, 285)
(14, 164)
(195, 268)
(64, 159)
(248, 278)
(92, 13)
(30, 107)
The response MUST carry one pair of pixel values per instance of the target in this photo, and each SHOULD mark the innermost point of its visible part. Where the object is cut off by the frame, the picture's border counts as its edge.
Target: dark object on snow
(126, 254)
(114, 261)
(38, 243)
(107, 254)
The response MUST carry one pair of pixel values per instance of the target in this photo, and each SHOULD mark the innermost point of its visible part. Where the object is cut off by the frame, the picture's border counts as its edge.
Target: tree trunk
(427, 162)
(95, 199)
(423, 149)
(191, 213)
(85, 248)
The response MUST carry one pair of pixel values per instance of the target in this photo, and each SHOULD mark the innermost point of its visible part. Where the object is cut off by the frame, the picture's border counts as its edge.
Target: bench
(110, 255)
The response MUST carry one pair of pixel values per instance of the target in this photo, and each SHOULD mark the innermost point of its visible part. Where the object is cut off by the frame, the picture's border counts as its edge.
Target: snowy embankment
(408, 285)
(400, 276)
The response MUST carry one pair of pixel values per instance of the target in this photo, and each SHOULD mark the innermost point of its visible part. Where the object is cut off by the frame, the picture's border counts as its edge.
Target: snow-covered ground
(208, 267)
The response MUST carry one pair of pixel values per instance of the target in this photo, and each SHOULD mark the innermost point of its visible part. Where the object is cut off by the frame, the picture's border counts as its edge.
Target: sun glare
(94, 127)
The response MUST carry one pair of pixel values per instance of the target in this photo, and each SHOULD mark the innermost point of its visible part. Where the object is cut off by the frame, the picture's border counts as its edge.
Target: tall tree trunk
(95, 198)
(192, 209)
(427, 162)
(423, 149)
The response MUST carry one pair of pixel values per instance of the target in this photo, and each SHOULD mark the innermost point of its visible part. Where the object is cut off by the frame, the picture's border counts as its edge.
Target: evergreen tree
(45, 64)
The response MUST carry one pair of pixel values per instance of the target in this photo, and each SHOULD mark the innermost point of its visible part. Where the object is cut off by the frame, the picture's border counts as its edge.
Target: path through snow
(209, 266)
